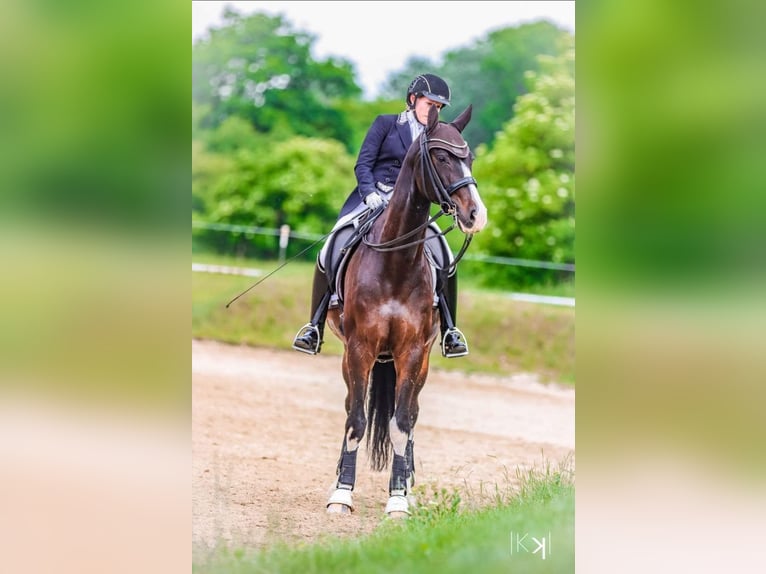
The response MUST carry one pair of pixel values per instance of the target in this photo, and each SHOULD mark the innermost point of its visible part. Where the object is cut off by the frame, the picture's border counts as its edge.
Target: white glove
(373, 200)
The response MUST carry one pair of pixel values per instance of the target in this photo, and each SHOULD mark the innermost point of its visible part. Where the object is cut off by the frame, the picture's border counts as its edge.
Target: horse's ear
(433, 118)
(462, 120)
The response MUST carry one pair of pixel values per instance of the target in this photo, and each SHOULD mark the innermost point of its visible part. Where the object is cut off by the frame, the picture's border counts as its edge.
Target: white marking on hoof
(397, 506)
(340, 502)
(338, 509)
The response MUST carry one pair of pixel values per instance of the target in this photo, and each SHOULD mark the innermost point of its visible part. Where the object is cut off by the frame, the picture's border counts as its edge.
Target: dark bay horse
(388, 321)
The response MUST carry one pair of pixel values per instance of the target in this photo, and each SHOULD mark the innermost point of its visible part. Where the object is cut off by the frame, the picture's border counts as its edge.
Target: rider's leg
(454, 343)
(309, 338)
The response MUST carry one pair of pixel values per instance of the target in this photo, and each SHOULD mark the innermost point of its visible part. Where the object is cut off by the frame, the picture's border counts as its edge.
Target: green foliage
(301, 182)
(259, 68)
(434, 504)
(543, 483)
(527, 178)
(207, 169)
(491, 74)
(298, 183)
(233, 134)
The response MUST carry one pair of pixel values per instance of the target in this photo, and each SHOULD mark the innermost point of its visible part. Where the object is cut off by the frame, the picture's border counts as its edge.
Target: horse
(388, 320)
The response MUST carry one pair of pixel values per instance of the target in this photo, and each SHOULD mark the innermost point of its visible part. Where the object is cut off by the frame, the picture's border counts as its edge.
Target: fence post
(284, 237)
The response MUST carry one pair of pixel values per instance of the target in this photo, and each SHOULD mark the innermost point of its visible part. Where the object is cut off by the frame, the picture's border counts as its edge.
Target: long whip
(262, 279)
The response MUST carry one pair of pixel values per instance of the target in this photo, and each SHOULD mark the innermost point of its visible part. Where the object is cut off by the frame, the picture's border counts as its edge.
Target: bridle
(443, 195)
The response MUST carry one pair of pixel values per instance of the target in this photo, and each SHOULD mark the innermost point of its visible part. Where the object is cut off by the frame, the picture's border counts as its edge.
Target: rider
(378, 164)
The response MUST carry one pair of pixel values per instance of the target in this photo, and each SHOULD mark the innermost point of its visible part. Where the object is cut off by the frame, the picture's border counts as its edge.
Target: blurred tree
(260, 69)
(395, 85)
(527, 178)
(233, 134)
(301, 182)
(207, 169)
(490, 74)
(360, 116)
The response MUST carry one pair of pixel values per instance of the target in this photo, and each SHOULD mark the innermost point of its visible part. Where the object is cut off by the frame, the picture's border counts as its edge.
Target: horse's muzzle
(474, 218)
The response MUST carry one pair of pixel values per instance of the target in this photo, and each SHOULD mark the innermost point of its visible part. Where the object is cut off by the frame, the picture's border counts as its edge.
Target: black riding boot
(310, 337)
(454, 343)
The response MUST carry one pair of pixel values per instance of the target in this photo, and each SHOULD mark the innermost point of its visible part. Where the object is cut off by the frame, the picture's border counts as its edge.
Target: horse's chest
(407, 310)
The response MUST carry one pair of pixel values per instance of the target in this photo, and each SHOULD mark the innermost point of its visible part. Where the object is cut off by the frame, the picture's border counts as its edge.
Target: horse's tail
(380, 409)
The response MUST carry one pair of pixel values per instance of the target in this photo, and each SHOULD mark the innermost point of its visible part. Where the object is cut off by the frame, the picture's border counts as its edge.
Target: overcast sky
(373, 35)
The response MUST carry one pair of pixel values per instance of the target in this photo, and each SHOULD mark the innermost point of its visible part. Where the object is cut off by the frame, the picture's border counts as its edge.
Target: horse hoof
(340, 502)
(338, 509)
(396, 515)
(397, 506)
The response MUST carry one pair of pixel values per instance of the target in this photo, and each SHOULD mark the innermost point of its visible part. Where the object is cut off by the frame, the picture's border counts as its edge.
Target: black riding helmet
(430, 86)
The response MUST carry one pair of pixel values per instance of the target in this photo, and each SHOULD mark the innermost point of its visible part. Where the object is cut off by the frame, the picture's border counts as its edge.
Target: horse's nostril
(472, 215)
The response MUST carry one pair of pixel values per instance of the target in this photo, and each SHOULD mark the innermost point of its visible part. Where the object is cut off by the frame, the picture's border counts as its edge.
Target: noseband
(443, 194)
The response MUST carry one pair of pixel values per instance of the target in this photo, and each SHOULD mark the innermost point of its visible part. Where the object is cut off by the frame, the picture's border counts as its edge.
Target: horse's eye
(442, 157)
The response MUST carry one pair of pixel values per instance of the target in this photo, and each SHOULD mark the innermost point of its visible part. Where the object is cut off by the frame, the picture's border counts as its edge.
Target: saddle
(345, 240)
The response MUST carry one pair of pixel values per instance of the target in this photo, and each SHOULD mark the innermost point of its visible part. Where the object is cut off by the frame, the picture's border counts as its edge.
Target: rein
(447, 207)
(395, 244)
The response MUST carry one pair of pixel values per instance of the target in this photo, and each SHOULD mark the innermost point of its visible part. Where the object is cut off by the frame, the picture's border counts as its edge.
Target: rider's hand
(373, 200)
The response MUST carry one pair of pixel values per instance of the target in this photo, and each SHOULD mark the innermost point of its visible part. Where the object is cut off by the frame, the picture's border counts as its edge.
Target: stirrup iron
(460, 335)
(307, 328)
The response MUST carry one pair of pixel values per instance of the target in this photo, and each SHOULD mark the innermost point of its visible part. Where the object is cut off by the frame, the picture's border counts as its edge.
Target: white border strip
(547, 299)
(226, 270)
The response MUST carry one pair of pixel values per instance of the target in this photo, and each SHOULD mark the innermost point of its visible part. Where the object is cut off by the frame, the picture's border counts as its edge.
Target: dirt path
(267, 427)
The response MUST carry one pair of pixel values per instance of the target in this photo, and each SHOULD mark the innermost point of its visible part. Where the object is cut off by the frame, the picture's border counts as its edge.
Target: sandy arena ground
(267, 428)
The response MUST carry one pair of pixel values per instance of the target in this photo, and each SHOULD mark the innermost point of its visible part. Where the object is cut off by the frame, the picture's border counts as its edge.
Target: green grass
(504, 336)
(472, 281)
(445, 534)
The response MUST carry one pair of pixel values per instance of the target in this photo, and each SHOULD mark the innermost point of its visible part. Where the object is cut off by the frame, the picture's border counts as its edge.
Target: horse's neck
(407, 210)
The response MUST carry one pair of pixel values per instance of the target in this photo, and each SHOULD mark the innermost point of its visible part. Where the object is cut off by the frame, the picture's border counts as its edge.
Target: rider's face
(422, 105)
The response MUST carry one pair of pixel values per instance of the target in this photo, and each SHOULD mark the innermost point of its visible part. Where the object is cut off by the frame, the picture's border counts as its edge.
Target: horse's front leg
(400, 497)
(401, 432)
(341, 500)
